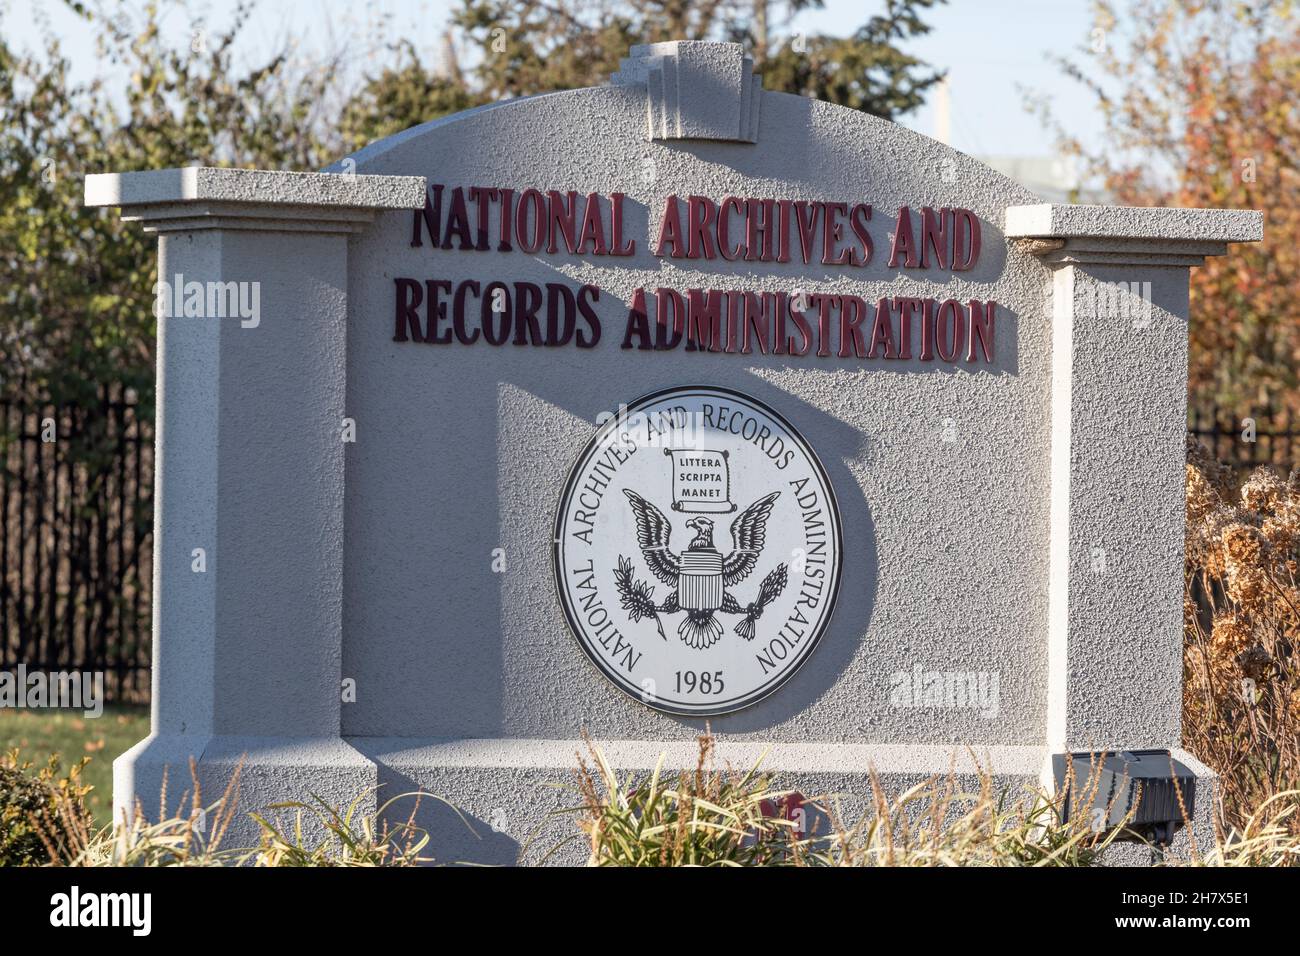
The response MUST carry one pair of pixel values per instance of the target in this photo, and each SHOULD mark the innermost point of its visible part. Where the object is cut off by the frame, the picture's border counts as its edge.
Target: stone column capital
(1062, 234)
(207, 197)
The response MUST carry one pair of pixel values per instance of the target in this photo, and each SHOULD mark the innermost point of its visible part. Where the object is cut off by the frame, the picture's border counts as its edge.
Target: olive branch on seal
(637, 597)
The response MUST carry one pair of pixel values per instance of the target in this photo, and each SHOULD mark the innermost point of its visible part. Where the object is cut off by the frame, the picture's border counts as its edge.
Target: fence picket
(75, 538)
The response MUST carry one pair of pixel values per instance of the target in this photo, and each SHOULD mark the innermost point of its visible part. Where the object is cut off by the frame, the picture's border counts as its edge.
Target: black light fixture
(1150, 788)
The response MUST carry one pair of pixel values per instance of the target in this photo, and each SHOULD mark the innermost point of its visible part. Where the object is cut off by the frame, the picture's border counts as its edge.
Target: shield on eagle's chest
(699, 581)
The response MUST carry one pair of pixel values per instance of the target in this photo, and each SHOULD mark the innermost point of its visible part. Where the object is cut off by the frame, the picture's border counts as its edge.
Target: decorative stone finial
(695, 90)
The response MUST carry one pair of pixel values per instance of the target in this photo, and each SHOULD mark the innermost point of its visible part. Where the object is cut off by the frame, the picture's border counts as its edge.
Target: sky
(992, 49)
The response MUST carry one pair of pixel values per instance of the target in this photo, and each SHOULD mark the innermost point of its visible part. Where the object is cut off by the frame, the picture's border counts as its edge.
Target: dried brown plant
(1241, 690)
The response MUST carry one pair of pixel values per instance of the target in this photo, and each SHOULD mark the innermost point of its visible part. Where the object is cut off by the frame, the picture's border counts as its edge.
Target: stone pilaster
(248, 520)
(1119, 368)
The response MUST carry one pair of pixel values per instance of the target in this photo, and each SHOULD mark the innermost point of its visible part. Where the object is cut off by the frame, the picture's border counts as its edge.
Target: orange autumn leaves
(1197, 100)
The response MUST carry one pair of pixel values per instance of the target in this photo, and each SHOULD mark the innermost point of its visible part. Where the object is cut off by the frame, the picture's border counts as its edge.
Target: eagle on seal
(700, 574)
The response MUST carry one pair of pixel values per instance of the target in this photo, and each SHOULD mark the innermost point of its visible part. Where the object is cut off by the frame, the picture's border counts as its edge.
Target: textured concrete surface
(946, 541)
(1044, 220)
(268, 769)
(260, 186)
(250, 471)
(695, 90)
(1119, 425)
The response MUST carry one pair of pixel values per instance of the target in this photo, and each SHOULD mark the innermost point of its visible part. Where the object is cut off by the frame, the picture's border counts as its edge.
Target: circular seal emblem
(697, 550)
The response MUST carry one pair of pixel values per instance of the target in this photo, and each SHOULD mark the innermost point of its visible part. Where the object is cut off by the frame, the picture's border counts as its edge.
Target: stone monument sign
(633, 409)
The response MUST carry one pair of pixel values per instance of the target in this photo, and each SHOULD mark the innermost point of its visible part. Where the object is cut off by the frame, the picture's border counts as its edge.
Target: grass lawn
(39, 733)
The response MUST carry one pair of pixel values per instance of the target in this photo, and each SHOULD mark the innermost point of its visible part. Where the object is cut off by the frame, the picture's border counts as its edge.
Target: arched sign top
(681, 98)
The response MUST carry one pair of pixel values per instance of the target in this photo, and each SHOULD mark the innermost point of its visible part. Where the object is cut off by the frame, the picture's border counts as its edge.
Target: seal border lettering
(575, 631)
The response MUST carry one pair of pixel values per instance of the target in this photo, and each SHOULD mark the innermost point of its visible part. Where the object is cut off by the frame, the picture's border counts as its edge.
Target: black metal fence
(76, 522)
(1246, 441)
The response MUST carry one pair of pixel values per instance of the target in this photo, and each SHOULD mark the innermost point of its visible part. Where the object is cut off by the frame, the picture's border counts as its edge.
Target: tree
(405, 95)
(77, 285)
(866, 71)
(1198, 105)
(530, 47)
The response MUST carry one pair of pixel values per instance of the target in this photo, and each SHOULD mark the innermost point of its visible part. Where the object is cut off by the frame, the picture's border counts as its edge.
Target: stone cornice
(204, 197)
(1121, 235)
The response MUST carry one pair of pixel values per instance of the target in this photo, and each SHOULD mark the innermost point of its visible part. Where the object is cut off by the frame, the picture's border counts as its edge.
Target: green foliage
(345, 837)
(527, 48)
(704, 817)
(20, 798)
(866, 71)
(530, 47)
(68, 732)
(700, 817)
(76, 285)
(401, 96)
(76, 299)
(30, 817)
(43, 821)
